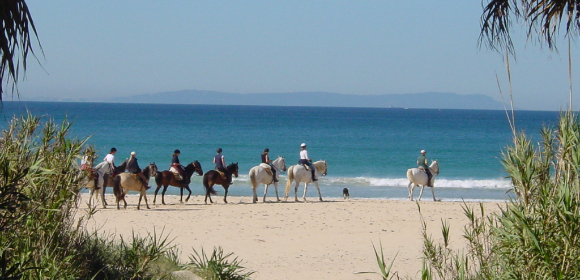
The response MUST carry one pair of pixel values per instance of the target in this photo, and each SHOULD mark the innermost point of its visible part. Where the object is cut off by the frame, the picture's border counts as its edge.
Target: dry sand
(332, 239)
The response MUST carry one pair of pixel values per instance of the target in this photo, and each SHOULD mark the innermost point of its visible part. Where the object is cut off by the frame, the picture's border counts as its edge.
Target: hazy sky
(120, 48)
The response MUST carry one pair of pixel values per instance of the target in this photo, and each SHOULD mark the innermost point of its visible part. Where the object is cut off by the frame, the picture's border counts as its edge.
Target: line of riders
(177, 169)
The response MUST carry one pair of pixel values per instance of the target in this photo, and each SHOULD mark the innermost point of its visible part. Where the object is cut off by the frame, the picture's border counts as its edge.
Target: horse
(419, 177)
(167, 178)
(110, 177)
(300, 174)
(96, 180)
(126, 182)
(213, 177)
(258, 175)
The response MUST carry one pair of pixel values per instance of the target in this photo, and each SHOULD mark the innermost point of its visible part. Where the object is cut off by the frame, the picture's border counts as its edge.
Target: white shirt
(110, 158)
(303, 154)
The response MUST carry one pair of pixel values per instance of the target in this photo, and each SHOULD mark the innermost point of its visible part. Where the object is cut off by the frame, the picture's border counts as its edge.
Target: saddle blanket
(267, 168)
(175, 173)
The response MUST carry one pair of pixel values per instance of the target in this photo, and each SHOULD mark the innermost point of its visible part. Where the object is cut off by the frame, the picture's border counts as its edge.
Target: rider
(422, 163)
(176, 167)
(110, 157)
(304, 159)
(266, 160)
(220, 164)
(133, 168)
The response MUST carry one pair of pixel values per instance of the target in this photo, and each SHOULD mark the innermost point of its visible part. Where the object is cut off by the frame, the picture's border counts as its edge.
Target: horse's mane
(231, 166)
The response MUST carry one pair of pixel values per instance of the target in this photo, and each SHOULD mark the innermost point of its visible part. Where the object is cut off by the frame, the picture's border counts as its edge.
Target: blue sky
(121, 48)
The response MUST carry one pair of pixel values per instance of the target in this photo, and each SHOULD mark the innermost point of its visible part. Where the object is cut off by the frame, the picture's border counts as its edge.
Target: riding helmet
(303, 145)
(177, 151)
(266, 150)
(113, 150)
(423, 151)
(219, 150)
(133, 153)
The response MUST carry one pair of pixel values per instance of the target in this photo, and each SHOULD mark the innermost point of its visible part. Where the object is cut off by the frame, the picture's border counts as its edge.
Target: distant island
(428, 100)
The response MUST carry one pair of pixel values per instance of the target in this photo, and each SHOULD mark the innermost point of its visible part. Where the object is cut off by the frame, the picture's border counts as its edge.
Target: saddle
(222, 174)
(176, 173)
(267, 168)
(305, 166)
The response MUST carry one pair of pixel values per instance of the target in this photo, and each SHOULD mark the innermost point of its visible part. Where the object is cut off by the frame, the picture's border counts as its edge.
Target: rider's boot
(314, 177)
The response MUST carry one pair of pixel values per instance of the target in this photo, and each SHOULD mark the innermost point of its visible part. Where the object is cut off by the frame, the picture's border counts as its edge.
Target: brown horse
(213, 177)
(126, 182)
(110, 178)
(167, 178)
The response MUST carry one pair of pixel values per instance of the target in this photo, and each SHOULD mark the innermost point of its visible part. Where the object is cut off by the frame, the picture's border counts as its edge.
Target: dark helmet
(113, 150)
(266, 150)
(176, 151)
(219, 150)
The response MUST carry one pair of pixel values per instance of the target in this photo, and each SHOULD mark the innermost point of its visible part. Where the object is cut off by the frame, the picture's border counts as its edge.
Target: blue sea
(368, 150)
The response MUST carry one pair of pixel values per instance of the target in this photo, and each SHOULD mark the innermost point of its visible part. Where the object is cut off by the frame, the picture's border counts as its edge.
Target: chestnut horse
(213, 177)
(126, 182)
(167, 178)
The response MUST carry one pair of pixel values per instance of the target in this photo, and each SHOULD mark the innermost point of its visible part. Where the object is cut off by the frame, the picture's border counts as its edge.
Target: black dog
(345, 194)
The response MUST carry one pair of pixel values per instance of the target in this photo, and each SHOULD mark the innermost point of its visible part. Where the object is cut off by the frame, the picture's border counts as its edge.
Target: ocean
(367, 150)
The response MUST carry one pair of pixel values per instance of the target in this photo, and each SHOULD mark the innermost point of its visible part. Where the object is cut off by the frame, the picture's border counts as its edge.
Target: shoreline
(332, 239)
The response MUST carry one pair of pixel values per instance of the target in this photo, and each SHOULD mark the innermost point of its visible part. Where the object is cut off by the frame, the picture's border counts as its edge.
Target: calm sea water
(367, 149)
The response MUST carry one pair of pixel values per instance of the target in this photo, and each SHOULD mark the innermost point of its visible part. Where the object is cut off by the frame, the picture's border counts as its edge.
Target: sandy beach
(332, 239)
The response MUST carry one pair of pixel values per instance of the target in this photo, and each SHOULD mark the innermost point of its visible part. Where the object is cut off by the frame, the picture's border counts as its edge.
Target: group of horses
(104, 175)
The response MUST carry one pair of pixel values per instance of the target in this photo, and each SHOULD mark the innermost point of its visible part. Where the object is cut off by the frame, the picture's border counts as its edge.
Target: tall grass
(534, 235)
(41, 236)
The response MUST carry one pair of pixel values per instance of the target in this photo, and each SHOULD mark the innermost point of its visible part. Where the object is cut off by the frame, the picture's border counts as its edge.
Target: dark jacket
(133, 166)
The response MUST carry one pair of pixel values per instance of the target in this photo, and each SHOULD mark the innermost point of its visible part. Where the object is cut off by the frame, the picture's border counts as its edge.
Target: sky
(121, 48)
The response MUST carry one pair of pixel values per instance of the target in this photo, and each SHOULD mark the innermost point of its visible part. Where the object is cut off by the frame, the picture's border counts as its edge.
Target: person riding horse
(305, 160)
(266, 160)
(176, 167)
(422, 163)
(133, 168)
(110, 157)
(220, 165)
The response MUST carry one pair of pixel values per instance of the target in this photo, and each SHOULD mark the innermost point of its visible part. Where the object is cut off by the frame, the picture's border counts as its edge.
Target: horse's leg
(421, 193)
(265, 192)
(411, 186)
(189, 190)
(156, 191)
(124, 195)
(144, 195)
(433, 191)
(226, 194)
(276, 188)
(163, 193)
(318, 188)
(296, 191)
(255, 194)
(305, 189)
(181, 198)
(91, 192)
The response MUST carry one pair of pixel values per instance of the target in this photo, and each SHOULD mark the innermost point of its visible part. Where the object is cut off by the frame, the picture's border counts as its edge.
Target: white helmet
(133, 153)
(423, 151)
(303, 145)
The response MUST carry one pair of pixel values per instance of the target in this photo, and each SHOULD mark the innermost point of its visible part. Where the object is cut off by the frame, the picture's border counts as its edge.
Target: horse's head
(152, 169)
(280, 163)
(198, 169)
(233, 167)
(321, 166)
(434, 167)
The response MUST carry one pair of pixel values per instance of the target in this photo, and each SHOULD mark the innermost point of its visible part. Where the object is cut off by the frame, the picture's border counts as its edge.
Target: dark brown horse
(213, 177)
(167, 178)
(110, 178)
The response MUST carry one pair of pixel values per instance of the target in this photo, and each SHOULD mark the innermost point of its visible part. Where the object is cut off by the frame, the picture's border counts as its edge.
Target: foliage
(217, 266)
(385, 272)
(535, 235)
(17, 25)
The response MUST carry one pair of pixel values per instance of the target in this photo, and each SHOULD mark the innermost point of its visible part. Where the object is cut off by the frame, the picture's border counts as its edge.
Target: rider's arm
(223, 161)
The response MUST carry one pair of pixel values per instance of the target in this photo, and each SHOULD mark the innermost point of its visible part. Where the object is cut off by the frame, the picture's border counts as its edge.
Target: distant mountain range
(428, 100)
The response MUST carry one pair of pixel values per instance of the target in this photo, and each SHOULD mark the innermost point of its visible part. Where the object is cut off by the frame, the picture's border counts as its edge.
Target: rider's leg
(273, 172)
(429, 176)
(313, 171)
(143, 180)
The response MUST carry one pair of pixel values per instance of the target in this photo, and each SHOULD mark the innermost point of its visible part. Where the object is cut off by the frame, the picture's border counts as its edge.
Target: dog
(345, 194)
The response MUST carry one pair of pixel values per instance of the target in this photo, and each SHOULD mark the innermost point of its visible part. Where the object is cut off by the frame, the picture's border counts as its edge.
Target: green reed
(535, 234)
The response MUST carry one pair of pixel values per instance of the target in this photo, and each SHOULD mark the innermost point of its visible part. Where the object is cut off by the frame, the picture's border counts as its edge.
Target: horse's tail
(117, 190)
(410, 174)
(290, 173)
(206, 183)
(253, 178)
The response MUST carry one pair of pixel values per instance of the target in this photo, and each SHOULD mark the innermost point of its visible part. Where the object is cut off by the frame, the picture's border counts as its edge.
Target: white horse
(419, 177)
(259, 175)
(102, 171)
(300, 174)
